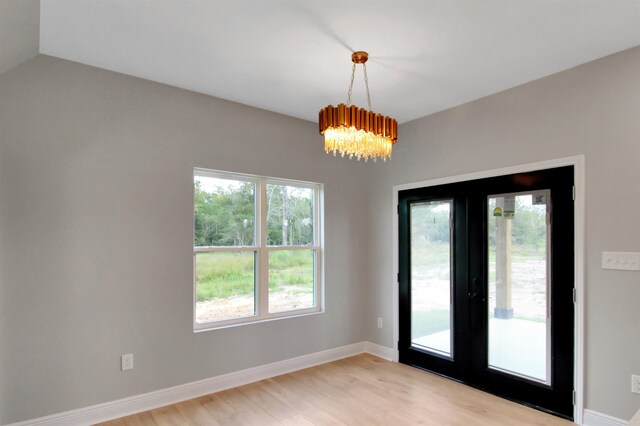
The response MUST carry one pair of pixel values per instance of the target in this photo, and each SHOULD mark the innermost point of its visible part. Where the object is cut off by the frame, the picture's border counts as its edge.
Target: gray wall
(96, 235)
(96, 223)
(593, 109)
(19, 31)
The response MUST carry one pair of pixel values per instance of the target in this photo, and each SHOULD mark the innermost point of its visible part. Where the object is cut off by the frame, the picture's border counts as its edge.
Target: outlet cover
(126, 362)
(635, 384)
(379, 322)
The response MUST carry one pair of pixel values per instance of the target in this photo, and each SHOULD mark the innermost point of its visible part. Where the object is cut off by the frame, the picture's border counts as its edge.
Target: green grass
(437, 253)
(222, 275)
(521, 253)
(434, 253)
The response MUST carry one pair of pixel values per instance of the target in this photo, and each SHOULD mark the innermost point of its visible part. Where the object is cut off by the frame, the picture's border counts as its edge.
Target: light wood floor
(361, 390)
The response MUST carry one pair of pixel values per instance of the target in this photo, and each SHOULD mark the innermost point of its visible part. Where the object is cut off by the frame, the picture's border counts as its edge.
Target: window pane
(225, 286)
(291, 276)
(289, 216)
(431, 310)
(224, 212)
(518, 308)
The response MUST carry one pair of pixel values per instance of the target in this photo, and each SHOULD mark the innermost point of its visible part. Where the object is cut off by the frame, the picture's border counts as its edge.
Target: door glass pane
(225, 285)
(518, 308)
(431, 276)
(291, 276)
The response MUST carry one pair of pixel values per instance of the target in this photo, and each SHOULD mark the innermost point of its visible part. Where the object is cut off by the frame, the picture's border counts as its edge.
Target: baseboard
(378, 350)
(594, 418)
(148, 401)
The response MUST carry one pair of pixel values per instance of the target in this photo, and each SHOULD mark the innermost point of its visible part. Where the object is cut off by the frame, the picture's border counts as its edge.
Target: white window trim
(261, 250)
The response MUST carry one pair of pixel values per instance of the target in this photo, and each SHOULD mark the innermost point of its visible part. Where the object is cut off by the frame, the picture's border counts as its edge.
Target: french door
(487, 285)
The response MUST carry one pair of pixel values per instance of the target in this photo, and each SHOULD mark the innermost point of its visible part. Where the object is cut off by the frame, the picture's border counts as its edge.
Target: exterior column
(504, 308)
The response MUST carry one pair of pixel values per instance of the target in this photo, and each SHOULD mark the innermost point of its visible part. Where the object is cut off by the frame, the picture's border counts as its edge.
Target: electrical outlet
(379, 322)
(635, 384)
(126, 362)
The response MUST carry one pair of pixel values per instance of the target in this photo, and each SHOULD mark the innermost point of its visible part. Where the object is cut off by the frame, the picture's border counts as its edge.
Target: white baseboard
(148, 401)
(378, 350)
(594, 418)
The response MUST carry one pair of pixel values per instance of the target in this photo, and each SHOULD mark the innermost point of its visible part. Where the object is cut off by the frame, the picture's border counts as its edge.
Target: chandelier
(357, 132)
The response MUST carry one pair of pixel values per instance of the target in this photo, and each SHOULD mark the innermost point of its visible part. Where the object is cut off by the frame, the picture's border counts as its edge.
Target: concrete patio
(515, 345)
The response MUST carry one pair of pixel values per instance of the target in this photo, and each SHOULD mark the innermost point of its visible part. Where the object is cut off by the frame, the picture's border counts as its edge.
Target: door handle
(476, 290)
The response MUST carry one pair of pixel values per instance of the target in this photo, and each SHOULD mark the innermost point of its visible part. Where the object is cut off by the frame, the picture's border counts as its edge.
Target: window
(257, 248)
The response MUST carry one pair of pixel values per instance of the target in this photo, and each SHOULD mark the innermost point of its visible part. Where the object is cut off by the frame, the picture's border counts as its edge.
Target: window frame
(261, 250)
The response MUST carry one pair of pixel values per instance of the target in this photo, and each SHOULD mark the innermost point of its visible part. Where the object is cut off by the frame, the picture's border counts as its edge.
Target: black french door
(487, 285)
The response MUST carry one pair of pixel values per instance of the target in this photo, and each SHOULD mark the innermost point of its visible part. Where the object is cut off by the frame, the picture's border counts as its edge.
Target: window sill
(199, 328)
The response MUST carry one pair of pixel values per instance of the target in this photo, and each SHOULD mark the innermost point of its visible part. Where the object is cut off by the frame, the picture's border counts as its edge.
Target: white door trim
(578, 163)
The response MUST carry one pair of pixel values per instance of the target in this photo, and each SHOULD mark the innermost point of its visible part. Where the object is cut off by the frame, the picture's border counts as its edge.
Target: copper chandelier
(357, 132)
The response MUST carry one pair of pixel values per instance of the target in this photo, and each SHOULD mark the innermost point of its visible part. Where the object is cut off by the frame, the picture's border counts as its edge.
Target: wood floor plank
(258, 394)
(305, 406)
(360, 390)
(194, 411)
(169, 416)
(297, 420)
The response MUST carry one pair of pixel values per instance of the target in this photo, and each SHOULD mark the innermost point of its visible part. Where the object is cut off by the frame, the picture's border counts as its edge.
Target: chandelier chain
(366, 83)
(353, 73)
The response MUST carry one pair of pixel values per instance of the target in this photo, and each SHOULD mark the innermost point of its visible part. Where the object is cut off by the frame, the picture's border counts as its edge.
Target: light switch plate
(626, 261)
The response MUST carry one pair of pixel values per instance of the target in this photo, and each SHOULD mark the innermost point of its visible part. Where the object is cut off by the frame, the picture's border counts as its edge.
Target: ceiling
(294, 57)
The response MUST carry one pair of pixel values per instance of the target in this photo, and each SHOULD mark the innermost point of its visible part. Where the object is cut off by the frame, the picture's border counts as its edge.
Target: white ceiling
(294, 57)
